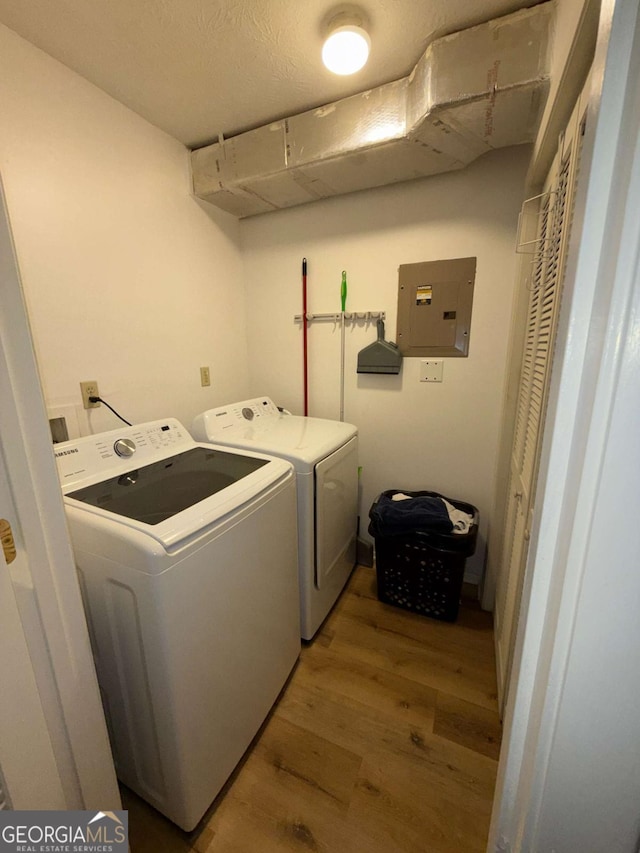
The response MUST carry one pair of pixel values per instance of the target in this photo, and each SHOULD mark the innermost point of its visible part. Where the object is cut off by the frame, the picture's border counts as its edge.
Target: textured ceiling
(199, 68)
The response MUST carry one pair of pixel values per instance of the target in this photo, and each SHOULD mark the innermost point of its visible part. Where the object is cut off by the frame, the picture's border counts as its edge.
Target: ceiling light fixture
(346, 48)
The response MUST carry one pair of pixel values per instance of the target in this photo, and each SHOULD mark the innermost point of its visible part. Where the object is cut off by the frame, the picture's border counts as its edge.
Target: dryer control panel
(94, 455)
(236, 417)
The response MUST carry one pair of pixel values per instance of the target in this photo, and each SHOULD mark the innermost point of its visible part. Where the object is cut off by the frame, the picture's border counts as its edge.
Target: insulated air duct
(472, 91)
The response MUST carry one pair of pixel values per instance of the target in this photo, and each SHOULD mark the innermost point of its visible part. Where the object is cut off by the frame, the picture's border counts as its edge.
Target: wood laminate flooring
(385, 740)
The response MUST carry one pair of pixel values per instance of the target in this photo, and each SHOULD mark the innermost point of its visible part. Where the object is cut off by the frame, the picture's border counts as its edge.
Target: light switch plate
(431, 371)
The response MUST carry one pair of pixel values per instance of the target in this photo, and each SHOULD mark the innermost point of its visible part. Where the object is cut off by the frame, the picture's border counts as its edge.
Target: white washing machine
(187, 558)
(325, 456)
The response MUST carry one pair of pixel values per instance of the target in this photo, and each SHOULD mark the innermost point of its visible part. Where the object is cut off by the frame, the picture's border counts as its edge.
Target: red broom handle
(304, 337)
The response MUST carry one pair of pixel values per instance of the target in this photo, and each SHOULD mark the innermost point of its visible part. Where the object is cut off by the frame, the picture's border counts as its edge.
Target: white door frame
(596, 375)
(43, 577)
(28, 765)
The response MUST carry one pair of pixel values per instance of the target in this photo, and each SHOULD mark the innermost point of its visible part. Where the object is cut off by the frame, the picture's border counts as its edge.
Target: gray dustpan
(381, 356)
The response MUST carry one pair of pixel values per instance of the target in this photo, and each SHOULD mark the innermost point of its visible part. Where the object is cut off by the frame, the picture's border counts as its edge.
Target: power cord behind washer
(100, 400)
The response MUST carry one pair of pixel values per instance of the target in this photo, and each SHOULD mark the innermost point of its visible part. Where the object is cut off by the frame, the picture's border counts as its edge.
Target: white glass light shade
(346, 50)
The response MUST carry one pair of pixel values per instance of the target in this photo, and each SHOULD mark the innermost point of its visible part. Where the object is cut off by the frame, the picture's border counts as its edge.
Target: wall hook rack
(349, 316)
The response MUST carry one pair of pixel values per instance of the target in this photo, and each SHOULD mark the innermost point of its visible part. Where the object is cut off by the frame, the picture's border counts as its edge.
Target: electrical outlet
(89, 389)
(205, 377)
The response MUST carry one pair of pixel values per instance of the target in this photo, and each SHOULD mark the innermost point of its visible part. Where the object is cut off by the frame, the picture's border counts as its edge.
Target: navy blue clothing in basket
(391, 517)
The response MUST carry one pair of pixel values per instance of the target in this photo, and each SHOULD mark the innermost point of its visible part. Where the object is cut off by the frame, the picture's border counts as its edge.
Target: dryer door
(336, 481)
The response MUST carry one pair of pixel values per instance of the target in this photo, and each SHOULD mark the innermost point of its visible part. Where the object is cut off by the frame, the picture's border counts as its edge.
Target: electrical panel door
(434, 307)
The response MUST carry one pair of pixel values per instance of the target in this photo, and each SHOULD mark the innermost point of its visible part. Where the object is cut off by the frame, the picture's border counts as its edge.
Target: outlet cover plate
(431, 371)
(89, 389)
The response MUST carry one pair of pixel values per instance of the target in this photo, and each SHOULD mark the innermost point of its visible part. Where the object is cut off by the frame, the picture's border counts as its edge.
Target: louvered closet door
(545, 285)
(516, 533)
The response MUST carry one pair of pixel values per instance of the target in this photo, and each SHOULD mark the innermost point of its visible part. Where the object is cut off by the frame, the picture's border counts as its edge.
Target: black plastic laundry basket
(422, 570)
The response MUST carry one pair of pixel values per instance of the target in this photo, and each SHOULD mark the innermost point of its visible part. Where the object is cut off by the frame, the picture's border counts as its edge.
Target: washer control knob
(247, 413)
(125, 447)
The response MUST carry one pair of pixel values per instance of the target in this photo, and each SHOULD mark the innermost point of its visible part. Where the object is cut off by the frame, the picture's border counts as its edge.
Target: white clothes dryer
(187, 559)
(324, 454)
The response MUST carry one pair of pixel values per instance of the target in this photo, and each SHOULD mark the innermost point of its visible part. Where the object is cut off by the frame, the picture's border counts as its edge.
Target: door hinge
(8, 544)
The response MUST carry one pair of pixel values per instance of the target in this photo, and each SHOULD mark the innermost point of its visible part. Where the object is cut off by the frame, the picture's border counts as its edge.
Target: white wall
(128, 279)
(413, 435)
(566, 22)
(574, 37)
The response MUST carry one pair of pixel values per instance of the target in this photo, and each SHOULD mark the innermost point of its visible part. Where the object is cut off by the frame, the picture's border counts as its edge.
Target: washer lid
(180, 496)
(159, 491)
(166, 485)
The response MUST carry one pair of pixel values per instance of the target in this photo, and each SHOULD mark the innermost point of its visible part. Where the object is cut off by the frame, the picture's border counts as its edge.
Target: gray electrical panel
(434, 307)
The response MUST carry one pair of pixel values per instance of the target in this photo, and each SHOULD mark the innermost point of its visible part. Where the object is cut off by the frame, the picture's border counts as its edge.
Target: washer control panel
(83, 458)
